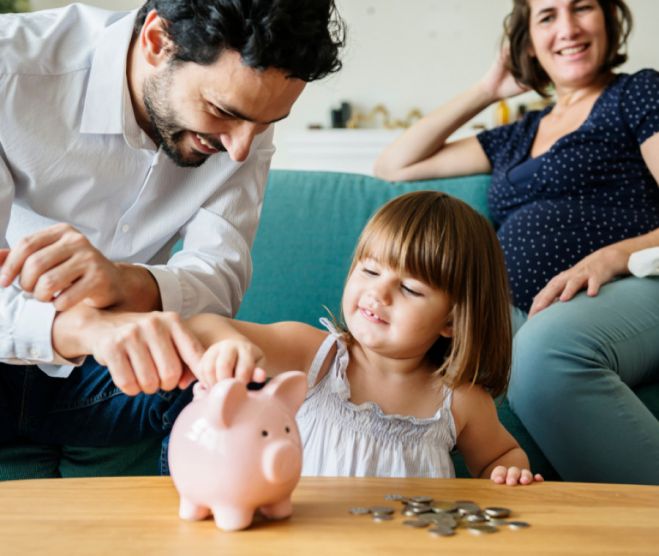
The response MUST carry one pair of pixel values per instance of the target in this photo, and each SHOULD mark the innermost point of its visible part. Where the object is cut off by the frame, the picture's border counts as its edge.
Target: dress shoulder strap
(323, 350)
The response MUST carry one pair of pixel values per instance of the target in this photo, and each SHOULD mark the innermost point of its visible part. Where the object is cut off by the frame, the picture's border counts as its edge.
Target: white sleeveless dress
(342, 439)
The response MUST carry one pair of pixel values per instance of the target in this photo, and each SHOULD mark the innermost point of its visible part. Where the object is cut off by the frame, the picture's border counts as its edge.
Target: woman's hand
(591, 272)
(237, 358)
(512, 476)
(498, 82)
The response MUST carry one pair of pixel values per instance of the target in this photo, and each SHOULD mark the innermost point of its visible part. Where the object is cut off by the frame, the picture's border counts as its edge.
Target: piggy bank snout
(281, 461)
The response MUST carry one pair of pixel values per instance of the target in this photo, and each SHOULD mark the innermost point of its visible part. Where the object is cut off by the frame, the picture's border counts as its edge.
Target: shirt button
(125, 228)
(34, 353)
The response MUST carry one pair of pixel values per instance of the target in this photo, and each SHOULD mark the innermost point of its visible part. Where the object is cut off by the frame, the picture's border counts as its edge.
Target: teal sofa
(309, 227)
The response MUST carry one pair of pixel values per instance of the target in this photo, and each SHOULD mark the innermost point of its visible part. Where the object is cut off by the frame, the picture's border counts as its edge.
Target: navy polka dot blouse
(591, 189)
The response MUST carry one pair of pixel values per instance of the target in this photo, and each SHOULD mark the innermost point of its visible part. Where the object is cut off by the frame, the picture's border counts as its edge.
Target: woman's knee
(552, 353)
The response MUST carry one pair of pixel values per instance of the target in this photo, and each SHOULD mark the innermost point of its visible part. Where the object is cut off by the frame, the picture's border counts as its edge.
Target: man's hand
(144, 352)
(59, 264)
(231, 358)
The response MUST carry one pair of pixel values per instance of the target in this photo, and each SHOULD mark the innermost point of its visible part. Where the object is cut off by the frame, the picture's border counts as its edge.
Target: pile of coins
(443, 518)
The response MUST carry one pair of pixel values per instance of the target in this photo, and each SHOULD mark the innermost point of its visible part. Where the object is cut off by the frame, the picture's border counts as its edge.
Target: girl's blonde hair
(443, 242)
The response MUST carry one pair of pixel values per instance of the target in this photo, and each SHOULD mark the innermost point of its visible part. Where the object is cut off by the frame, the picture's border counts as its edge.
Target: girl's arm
(488, 448)
(244, 349)
(421, 152)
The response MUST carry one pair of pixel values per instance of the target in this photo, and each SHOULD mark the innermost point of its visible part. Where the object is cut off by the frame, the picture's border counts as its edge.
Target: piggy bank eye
(287, 429)
(264, 433)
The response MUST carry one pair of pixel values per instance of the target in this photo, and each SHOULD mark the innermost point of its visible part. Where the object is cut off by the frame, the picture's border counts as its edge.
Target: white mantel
(336, 150)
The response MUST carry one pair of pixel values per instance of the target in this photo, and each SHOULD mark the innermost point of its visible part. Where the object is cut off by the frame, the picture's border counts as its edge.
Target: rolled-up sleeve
(213, 269)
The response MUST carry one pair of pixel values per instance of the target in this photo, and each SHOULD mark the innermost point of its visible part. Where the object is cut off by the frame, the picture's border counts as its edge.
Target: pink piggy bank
(233, 451)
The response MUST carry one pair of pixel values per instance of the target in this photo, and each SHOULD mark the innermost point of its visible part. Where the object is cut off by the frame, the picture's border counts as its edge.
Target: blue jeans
(574, 367)
(86, 409)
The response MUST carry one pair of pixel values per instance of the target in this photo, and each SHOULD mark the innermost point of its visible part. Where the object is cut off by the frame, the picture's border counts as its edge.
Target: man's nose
(240, 140)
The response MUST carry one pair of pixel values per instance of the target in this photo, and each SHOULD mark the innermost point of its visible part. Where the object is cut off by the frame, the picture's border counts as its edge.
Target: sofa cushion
(309, 228)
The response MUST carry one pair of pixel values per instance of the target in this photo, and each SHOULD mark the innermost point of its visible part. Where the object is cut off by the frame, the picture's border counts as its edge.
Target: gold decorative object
(359, 118)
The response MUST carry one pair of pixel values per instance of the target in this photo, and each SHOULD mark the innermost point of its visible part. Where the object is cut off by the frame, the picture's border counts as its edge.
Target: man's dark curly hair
(300, 37)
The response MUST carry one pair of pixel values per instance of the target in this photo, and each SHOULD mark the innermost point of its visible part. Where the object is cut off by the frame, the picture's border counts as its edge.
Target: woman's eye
(369, 271)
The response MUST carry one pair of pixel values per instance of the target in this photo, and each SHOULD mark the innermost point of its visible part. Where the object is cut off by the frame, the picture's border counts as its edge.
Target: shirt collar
(105, 101)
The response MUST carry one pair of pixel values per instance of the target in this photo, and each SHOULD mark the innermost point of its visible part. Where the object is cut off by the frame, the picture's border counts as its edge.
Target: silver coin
(407, 512)
(419, 509)
(385, 510)
(474, 518)
(482, 529)
(416, 523)
(518, 524)
(497, 512)
(395, 497)
(497, 522)
(443, 506)
(382, 517)
(467, 507)
(359, 511)
(421, 499)
(441, 531)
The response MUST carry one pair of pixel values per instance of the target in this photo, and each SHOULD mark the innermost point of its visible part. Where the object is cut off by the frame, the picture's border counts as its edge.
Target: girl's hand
(231, 358)
(591, 272)
(512, 476)
(498, 82)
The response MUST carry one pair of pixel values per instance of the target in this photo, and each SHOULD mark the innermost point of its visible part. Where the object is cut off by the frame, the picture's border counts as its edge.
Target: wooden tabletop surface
(138, 515)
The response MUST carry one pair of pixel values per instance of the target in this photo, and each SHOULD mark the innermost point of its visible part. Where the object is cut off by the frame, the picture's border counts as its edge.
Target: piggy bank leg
(191, 511)
(279, 510)
(232, 518)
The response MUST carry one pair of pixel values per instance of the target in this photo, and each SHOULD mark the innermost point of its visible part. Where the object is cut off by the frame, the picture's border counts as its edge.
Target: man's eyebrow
(237, 114)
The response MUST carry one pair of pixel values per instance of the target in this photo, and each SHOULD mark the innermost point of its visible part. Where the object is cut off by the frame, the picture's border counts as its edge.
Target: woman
(574, 193)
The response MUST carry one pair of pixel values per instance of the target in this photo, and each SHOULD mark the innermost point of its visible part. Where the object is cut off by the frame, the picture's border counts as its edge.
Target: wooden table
(138, 515)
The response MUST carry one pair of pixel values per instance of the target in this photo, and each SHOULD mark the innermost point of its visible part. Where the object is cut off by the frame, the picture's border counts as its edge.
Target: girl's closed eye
(411, 290)
(369, 269)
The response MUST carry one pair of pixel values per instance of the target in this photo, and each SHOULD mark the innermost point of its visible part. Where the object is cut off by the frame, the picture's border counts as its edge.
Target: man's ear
(154, 41)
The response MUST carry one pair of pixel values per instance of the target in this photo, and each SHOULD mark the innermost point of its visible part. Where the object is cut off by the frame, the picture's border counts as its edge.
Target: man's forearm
(141, 292)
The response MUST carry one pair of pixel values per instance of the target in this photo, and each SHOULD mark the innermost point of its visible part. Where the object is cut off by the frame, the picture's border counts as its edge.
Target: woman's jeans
(86, 409)
(574, 367)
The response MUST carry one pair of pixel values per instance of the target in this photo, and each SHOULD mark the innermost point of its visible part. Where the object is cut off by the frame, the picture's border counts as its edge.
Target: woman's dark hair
(300, 37)
(526, 69)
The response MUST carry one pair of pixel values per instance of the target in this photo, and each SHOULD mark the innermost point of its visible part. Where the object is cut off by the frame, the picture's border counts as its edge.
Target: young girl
(426, 344)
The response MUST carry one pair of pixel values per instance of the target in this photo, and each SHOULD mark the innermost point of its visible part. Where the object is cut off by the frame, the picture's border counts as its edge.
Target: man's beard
(164, 123)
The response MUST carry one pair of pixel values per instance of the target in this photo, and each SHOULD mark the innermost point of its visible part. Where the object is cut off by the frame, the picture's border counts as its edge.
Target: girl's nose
(381, 293)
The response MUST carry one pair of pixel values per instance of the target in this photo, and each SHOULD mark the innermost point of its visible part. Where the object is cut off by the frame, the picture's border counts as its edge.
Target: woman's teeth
(572, 50)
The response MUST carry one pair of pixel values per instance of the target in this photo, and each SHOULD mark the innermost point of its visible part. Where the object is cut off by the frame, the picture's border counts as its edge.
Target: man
(121, 133)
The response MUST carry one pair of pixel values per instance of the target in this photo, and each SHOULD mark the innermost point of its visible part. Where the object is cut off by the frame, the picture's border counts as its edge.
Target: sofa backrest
(309, 227)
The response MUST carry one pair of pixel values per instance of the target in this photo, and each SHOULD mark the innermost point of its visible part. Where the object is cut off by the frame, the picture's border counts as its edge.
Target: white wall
(418, 53)
(423, 52)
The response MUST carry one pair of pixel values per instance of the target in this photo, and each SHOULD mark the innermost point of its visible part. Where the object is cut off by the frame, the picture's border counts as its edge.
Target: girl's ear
(447, 330)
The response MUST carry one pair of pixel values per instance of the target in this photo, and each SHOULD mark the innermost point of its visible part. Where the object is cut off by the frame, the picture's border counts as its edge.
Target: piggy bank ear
(224, 402)
(289, 387)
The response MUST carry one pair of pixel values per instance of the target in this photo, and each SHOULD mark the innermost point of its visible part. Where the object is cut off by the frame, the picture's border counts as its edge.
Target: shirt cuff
(171, 296)
(33, 335)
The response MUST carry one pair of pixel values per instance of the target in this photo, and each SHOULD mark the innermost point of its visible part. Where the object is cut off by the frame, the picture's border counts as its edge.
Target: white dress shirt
(71, 151)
